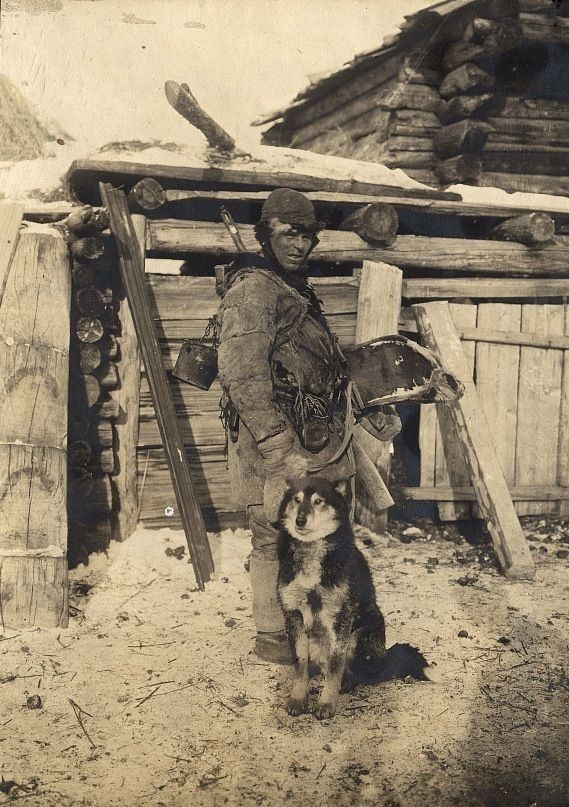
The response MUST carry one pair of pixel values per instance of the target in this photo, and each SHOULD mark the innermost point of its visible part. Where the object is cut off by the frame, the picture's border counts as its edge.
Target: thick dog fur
(328, 598)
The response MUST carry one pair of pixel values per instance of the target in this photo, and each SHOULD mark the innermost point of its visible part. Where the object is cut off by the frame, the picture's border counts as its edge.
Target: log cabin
(468, 91)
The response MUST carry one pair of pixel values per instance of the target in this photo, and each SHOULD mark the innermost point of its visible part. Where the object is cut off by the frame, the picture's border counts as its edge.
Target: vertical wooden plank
(539, 405)
(451, 468)
(379, 302)
(428, 427)
(34, 370)
(563, 453)
(127, 422)
(439, 333)
(10, 220)
(497, 371)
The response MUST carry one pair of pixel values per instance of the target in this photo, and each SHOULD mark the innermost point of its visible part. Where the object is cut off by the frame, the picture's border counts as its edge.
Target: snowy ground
(152, 696)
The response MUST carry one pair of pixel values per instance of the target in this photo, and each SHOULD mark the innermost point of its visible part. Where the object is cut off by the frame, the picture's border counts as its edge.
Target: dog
(327, 595)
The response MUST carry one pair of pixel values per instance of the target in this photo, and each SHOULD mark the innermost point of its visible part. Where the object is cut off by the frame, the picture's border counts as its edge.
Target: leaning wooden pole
(134, 281)
(438, 331)
(34, 371)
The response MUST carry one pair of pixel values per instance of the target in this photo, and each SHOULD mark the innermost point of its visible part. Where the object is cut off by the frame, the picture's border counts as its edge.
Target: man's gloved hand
(383, 423)
(282, 462)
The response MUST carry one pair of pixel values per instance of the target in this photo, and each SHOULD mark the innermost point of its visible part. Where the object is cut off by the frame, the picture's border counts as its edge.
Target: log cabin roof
(434, 21)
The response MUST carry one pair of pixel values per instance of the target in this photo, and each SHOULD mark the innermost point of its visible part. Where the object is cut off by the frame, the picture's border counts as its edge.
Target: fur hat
(291, 207)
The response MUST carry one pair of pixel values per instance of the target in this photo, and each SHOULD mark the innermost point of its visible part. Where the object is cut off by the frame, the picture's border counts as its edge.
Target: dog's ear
(342, 486)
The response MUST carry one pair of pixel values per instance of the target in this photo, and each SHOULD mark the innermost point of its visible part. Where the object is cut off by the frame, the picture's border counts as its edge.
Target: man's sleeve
(247, 336)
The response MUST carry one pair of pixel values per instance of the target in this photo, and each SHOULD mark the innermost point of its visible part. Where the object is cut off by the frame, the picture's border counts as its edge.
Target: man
(282, 373)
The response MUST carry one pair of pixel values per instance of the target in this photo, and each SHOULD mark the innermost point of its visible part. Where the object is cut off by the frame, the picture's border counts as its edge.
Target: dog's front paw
(324, 711)
(296, 706)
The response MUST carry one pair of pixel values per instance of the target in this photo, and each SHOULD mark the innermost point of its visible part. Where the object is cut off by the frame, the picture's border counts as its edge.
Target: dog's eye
(296, 499)
(318, 501)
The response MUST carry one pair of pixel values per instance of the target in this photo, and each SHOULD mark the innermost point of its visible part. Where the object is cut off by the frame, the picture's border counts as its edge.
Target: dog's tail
(399, 661)
(403, 661)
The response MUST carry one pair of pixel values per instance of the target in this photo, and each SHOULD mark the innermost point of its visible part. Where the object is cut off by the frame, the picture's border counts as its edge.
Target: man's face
(290, 246)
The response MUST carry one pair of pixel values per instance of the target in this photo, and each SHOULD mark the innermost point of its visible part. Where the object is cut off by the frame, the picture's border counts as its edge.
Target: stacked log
(94, 374)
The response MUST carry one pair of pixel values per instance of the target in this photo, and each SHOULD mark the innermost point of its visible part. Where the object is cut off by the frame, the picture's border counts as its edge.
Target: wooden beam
(83, 175)
(379, 302)
(179, 237)
(497, 337)
(128, 401)
(485, 288)
(437, 329)
(134, 280)
(519, 493)
(10, 221)
(34, 372)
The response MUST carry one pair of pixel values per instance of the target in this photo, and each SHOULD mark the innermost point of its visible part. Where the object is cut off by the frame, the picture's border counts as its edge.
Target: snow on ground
(152, 695)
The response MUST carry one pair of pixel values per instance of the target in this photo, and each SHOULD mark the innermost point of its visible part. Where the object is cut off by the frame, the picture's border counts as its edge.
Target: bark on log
(89, 358)
(376, 223)
(464, 167)
(89, 248)
(532, 230)
(464, 106)
(181, 99)
(465, 79)
(34, 371)
(467, 136)
(89, 330)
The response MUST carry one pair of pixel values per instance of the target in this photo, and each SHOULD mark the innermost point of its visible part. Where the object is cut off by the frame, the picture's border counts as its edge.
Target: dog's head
(313, 508)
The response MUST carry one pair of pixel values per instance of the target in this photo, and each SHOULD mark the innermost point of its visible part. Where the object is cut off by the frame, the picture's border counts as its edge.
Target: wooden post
(34, 368)
(128, 400)
(437, 329)
(379, 301)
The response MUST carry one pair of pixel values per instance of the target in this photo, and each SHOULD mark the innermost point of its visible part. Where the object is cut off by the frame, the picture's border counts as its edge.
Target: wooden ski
(134, 281)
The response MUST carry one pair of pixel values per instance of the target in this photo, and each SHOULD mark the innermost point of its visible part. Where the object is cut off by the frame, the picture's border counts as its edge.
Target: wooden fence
(524, 390)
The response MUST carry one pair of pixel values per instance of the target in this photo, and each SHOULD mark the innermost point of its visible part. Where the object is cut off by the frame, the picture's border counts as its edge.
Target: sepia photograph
(284, 403)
